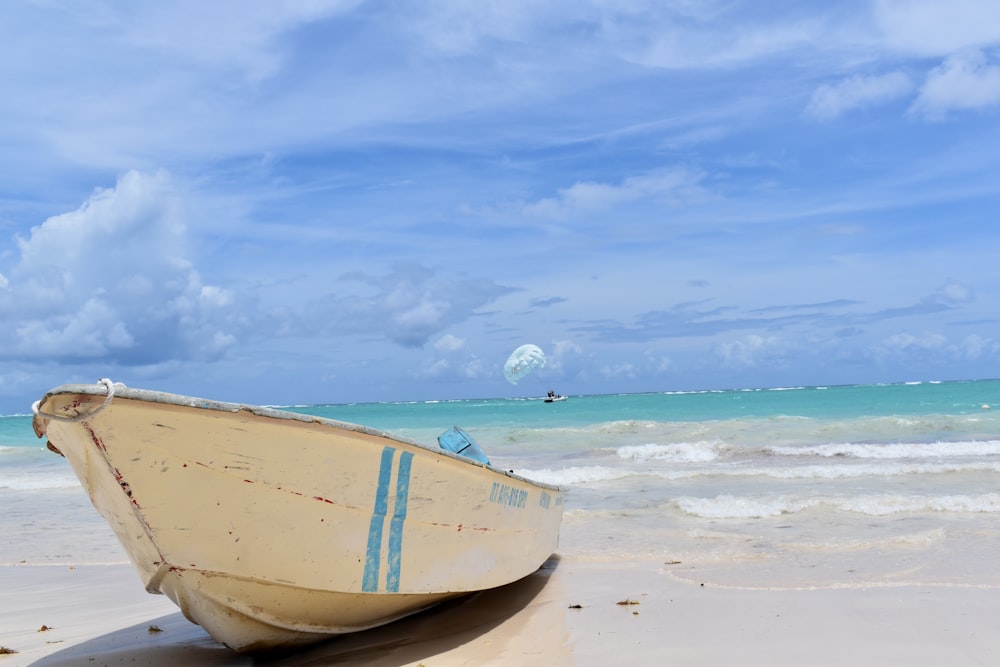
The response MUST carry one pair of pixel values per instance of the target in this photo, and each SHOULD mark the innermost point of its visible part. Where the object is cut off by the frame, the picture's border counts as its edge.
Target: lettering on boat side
(503, 494)
(373, 554)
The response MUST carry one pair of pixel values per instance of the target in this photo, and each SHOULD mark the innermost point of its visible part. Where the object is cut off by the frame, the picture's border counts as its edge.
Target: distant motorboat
(272, 528)
(553, 397)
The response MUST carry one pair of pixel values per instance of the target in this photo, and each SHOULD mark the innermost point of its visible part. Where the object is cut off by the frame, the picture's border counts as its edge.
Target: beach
(819, 526)
(570, 613)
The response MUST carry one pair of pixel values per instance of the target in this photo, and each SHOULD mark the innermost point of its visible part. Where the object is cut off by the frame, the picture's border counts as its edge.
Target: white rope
(87, 415)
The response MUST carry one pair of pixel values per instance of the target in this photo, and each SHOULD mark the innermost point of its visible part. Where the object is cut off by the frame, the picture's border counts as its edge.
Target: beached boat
(270, 528)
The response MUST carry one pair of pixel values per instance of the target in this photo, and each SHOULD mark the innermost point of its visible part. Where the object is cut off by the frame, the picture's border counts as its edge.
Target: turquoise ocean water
(866, 485)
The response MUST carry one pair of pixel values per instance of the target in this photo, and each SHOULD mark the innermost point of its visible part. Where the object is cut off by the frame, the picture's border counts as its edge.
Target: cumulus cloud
(974, 346)
(964, 81)
(452, 360)
(560, 354)
(937, 348)
(830, 101)
(434, 368)
(908, 342)
(658, 364)
(749, 352)
(449, 343)
(926, 348)
(561, 348)
(110, 281)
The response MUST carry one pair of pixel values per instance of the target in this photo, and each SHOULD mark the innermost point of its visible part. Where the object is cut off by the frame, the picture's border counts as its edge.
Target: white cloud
(669, 184)
(435, 368)
(452, 361)
(658, 364)
(749, 352)
(477, 368)
(937, 348)
(704, 34)
(932, 27)
(561, 353)
(964, 81)
(622, 370)
(425, 314)
(215, 297)
(856, 92)
(561, 348)
(454, 29)
(974, 346)
(906, 342)
(189, 30)
(952, 294)
(95, 329)
(408, 306)
(110, 281)
(449, 343)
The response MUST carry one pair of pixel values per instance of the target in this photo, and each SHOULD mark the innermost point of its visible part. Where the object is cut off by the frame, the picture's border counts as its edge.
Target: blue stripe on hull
(373, 555)
(396, 525)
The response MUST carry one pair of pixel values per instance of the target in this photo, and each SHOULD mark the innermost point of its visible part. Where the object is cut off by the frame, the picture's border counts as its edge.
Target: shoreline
(567, 613)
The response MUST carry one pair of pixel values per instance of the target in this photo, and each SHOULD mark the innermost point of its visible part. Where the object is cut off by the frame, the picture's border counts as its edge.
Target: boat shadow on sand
(463, 625)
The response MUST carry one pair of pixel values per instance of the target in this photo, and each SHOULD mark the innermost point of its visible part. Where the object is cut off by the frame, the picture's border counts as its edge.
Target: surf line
(373, 554)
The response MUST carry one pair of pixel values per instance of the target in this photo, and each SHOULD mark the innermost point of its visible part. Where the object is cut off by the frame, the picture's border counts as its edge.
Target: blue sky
(313, 201)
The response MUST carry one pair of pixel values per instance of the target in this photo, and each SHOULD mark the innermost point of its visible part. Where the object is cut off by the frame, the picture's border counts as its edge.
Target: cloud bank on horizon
(333, 201)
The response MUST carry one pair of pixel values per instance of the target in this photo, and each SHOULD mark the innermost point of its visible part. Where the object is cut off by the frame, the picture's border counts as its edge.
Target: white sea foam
(861, 470)
(893, 451)
(29, 481)
(736, 507)
(584, 475)
(880, 505)
(739, 507)
(682, 452)
(575, 475)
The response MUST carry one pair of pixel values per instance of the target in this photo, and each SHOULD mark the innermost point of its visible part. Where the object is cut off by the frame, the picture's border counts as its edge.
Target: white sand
(100, 615)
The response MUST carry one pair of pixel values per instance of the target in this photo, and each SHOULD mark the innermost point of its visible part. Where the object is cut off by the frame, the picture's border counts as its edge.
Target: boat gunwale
(181, 400)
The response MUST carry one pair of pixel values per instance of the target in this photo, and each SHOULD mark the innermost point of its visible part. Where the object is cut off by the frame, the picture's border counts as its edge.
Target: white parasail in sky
(523, 361)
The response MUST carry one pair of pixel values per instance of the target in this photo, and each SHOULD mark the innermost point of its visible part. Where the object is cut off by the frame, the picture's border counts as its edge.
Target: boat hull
(270, 528)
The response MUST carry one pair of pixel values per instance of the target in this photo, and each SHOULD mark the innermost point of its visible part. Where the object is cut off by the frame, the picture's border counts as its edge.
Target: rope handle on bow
(35, 407)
